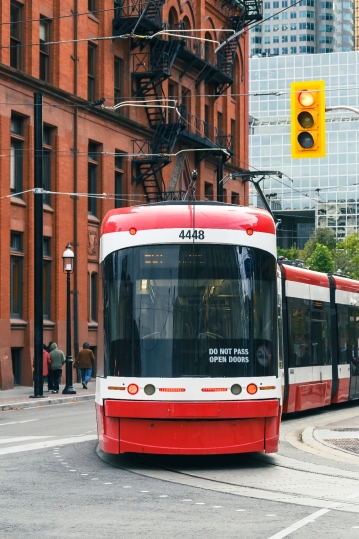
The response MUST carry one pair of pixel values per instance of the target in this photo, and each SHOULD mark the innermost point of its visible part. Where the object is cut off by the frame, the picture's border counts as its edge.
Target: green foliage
(322, 236)
(291, 254)
(346, 256)
(321, 259)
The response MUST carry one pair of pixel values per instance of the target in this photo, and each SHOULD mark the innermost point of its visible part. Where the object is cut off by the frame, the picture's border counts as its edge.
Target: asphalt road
(54, 484)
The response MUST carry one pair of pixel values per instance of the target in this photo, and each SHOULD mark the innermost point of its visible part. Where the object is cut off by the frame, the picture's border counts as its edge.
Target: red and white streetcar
(321, 338)
(191, 362)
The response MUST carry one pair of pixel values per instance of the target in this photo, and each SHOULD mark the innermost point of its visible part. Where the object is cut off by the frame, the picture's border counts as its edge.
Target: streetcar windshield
(190, 310)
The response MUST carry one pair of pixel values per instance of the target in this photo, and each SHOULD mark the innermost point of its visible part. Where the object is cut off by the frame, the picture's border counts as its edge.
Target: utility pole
(38, 248)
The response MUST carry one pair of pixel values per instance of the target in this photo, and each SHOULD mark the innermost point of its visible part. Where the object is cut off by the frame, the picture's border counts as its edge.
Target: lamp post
(68, 261)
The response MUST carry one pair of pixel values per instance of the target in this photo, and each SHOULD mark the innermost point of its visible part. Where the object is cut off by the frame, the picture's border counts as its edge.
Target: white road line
(299, 524)
(23, 439)
(17, 422)
(45, 445)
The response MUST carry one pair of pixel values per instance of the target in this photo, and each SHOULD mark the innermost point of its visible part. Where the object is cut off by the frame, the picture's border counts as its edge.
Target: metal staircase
(149, 71)
(152, 61)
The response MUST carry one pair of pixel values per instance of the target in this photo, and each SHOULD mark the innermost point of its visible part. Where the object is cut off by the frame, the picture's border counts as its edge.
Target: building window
(44, 50)
(220, 121)
(285, 50)
(118, 180)
(208, 191)
(234, 198)
(233, 135)
(16, 365)
(293, 50)
(91, 69)
(16, 155)
(16, 274)
(93, 297)
(284, 39)
(117, 78)
(46, 163)
(93, 150)
(46, 279)
(15, 35)
(92, 6)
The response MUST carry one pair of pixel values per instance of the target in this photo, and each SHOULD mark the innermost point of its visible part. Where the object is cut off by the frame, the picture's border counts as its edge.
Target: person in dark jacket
(57, 360)
(84, 362)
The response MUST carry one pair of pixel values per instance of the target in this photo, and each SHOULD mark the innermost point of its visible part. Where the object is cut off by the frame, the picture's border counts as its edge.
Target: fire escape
(151, 63)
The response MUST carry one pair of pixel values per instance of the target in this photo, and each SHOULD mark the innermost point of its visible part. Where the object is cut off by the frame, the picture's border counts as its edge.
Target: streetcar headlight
(236, 389)
(252, 389)
(149, 389)
(133, 389)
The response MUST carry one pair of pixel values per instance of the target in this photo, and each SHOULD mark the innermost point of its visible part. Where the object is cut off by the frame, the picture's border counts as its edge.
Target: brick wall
(65, 110)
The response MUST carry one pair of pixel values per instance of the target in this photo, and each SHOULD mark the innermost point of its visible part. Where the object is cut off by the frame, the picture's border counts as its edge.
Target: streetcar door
(353, 353)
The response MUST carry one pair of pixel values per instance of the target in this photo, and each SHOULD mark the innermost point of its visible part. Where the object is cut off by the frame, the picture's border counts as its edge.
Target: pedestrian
(84, 362)
(50, 376)
(57, 360)
(46, 362)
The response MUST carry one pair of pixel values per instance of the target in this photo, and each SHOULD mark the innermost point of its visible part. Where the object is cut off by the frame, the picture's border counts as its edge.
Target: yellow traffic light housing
(307, 104)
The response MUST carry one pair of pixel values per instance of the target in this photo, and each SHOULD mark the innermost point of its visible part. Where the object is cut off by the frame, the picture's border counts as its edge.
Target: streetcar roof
(185, 214)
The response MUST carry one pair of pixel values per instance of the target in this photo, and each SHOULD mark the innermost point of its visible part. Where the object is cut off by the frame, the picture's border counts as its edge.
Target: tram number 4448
(192, 234)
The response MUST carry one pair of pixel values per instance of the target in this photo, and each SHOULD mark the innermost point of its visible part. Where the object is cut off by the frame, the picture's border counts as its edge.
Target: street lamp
(68, 261)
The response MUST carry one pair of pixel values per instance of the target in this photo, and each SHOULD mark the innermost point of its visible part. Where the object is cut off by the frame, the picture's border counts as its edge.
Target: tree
(321, 259)
(323, 236)
(346, 256)
(291, 254)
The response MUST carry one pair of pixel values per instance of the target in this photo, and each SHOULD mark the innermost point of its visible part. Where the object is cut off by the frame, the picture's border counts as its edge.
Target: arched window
(208, 48)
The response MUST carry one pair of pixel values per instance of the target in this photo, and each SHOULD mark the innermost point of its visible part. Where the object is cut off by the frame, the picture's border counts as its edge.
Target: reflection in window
(308, 333)
(175, 310)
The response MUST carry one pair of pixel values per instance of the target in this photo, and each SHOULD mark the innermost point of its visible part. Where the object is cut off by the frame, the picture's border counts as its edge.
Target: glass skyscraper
(307, 27)
(323, 192)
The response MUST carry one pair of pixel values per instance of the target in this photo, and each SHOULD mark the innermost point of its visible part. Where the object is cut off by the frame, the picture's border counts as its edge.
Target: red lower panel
(187, 437)
(342, 395)
(308, 395)
(195, 410)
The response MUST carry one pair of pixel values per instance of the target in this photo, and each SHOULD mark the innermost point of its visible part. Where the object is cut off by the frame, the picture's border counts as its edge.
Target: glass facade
(324, 192)
(318, 27)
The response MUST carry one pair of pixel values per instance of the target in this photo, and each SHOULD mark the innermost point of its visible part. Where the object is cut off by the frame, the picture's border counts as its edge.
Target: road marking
(23, 439)
(45, 445)
(163, 496)
(17, 422)
(299, 524)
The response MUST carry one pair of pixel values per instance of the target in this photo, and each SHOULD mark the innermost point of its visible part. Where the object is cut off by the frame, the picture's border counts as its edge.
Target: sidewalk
(341, 435)
(19, 397)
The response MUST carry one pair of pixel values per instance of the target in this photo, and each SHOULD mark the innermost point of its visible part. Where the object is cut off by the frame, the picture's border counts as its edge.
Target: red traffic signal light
(308, 119)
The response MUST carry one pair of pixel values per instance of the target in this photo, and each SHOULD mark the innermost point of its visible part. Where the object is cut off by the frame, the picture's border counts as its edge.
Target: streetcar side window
(343, 334)
(299, 332)
(309, 333)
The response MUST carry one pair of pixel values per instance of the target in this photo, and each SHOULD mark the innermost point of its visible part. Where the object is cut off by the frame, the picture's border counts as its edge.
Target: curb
(44, 402)
(328, 451)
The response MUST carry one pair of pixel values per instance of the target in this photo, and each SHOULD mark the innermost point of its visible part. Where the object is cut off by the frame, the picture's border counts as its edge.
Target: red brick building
(92, 150)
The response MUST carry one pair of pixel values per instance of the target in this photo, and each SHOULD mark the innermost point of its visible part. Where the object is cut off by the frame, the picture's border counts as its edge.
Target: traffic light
(307, 104)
